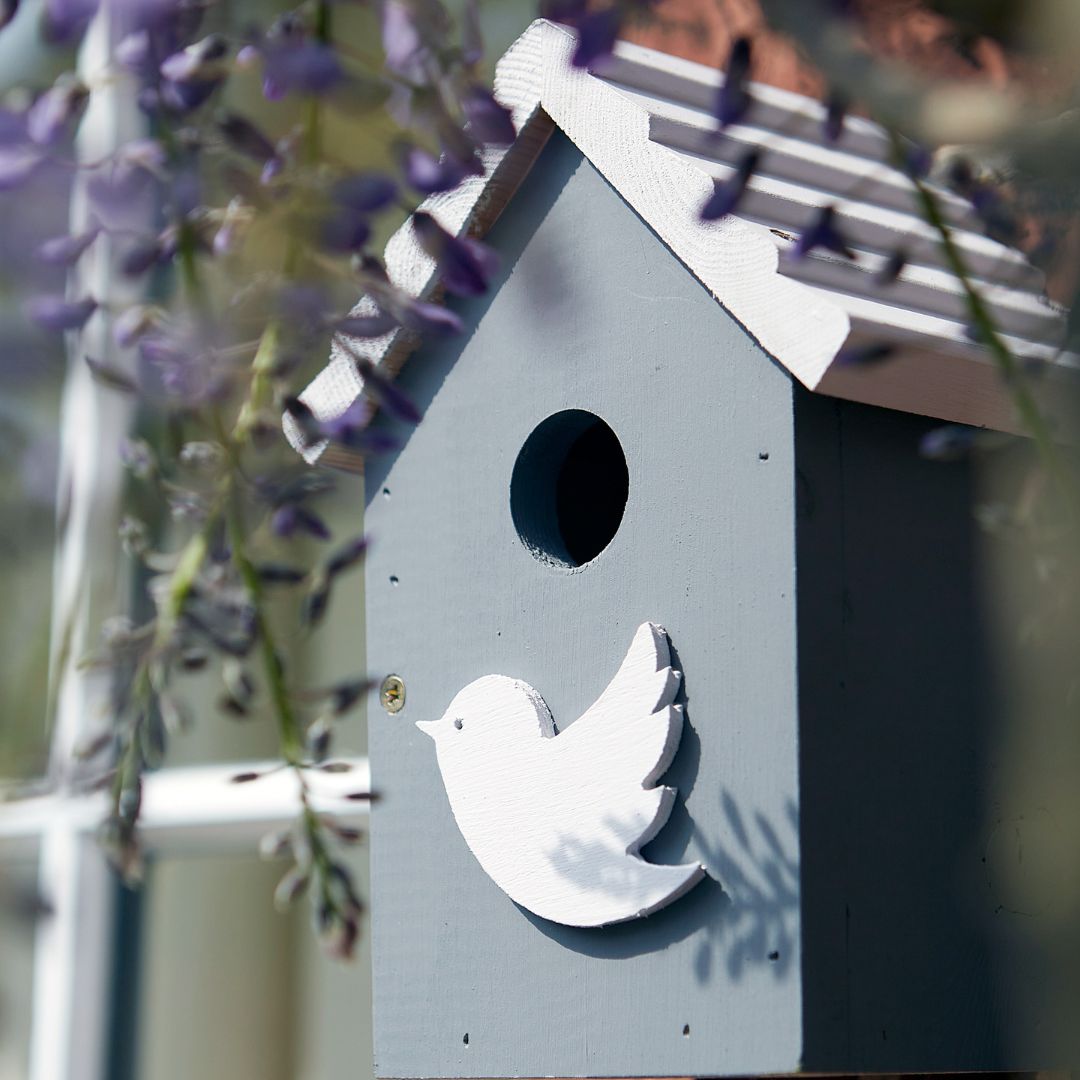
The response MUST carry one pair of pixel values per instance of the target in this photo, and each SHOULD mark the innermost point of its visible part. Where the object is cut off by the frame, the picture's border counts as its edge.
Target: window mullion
(71, 957)
(200, 809)
(196, 808)
(73, 943)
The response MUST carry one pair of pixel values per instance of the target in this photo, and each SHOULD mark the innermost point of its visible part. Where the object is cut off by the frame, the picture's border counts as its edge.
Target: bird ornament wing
(631, 733)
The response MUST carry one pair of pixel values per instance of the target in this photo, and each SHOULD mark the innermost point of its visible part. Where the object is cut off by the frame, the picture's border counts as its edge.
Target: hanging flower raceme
(192, 212)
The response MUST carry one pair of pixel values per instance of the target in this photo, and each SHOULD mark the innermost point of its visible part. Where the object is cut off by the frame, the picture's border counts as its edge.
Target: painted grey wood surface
(592, 313)
(904, 938)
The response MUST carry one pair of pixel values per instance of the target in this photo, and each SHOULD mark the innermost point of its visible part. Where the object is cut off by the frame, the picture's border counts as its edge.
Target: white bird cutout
(557, 820)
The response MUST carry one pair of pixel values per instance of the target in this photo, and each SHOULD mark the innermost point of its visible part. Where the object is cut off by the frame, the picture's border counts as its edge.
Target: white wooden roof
(645, 124)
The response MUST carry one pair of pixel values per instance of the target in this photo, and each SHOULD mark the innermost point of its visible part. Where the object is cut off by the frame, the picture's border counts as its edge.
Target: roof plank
(644, 124)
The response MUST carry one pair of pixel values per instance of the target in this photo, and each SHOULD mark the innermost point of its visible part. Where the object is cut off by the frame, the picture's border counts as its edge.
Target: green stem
(183, 577)
(288, 728)
(289, 734)
(313, 124)
(1026, 405)
(261, 390)
(189, 267)
(323, 25)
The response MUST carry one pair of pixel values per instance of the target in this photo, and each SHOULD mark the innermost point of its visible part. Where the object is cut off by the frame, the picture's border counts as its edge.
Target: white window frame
(196, 810)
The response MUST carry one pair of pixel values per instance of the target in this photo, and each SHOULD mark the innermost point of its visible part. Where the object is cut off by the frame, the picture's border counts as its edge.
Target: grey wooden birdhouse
(681, 760)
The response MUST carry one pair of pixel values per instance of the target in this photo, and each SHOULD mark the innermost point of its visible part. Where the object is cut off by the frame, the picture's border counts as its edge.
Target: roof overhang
(645, 124)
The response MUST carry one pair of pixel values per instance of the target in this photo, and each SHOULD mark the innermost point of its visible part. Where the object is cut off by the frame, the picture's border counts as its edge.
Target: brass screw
(392, 694)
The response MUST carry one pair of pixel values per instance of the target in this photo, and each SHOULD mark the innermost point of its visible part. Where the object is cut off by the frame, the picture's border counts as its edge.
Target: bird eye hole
(458, 724)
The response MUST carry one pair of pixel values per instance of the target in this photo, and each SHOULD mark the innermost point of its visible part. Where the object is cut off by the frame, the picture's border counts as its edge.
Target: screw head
(392, 694)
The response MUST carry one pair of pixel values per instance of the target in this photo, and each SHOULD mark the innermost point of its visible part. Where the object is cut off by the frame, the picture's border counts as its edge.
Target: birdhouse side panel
(906, 941)
(605, 449)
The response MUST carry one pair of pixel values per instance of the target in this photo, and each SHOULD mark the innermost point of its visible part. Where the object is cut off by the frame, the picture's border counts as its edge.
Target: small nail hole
(686, 1030)
(459, 725)
(386, 493)
(465, 1040)
(774, 955)
(763, 455)
(393, 579)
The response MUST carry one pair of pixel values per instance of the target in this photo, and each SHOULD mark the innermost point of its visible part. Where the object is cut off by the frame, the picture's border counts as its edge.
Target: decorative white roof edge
(644, 123)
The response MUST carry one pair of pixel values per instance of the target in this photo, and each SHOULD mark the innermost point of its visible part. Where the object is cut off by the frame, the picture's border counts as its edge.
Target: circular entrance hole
(569, 487)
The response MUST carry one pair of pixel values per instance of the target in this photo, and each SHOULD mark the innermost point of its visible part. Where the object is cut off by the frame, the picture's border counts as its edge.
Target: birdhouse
(684, 736)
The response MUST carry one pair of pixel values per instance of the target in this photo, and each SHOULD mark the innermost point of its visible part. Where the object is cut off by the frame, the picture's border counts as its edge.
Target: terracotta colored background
(907, 31)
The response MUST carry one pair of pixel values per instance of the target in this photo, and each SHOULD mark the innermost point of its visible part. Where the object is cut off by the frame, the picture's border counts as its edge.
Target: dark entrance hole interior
(569, 488)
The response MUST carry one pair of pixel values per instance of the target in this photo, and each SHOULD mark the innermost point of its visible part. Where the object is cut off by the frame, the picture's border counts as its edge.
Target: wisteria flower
(200, 62)
(245, 138)
(366, 193)
(466, 266)
(404, 47)
(57, 313)
(489, 122)
(54, 113)
(18, 164)
(294, 63)
(733, 98)
(728, 194)
(66, 250)
(823, 232)
(597, 33)
(430, 175)
(64, 21)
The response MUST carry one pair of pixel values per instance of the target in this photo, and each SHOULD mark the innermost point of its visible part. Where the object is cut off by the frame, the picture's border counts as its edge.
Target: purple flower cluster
(597, 27)
(241, 235)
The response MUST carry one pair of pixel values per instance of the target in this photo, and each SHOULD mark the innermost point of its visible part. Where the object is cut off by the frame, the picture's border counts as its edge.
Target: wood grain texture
(645, 122)
(705, 548)
(558, 821)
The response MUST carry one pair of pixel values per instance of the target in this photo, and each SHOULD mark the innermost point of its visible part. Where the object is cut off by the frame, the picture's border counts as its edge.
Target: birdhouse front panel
(586, 856)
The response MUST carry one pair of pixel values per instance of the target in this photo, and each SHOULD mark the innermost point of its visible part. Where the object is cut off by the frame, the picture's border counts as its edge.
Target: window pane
(19, 909)
(229, 987)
